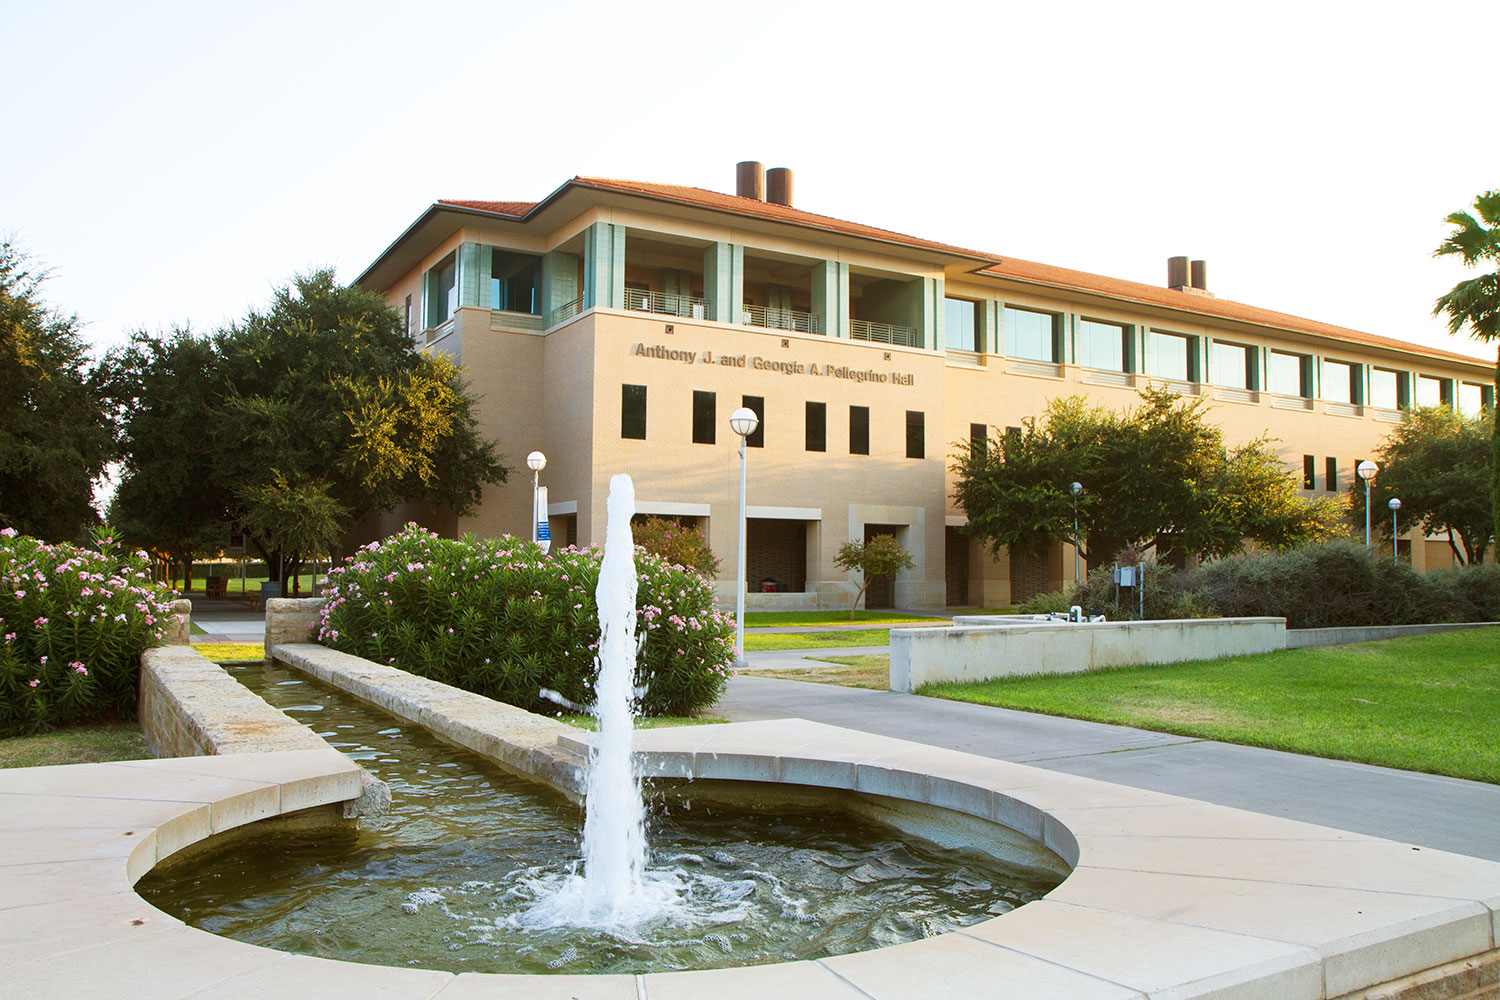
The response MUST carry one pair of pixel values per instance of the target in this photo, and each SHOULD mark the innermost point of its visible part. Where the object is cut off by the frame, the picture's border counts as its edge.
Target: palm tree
(1475, 303)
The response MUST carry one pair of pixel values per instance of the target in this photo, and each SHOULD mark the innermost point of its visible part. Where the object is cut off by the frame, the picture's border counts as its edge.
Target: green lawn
(870, 670)
(818, 640)
(794, 619)
(76, 745)
(231, 652)
(1425, 703)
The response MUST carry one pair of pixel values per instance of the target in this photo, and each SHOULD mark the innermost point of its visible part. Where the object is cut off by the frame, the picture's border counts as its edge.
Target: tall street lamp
(1394, 505)
(1076, 488)
(743, 422)
(536, 462)
(1367, 470)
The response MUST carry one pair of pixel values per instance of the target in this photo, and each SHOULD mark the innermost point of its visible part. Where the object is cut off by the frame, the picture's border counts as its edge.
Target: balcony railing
(668, 304)
(566, 311)
(882, 333)
(780, 319)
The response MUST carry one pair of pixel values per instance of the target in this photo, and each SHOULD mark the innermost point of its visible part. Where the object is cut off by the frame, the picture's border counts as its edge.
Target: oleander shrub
(500, 618)
(74, 623)
(676, 543)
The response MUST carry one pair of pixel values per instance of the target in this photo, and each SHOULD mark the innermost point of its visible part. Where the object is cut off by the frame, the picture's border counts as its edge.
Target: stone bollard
(181, 632)
(290, 619)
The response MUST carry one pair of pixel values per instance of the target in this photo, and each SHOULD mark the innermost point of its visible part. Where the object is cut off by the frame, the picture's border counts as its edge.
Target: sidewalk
(1445, 813)
(227, 620)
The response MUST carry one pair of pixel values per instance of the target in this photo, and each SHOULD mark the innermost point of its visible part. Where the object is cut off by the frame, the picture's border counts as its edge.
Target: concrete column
(989, 332)
(559, 281)
(472, 258)
(830, 297)
(935, 312)
(604, 266)
(716, 275)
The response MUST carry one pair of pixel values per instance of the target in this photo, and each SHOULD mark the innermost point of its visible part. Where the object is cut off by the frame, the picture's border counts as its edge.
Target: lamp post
(1076, 488)
(1367, 470)
(1394, 505)
(743, 422)
(536, 462)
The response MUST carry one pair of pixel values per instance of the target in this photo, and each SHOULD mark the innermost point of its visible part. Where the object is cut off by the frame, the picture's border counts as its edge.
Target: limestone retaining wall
(980, 648)
(290, 619)
(1299, 638)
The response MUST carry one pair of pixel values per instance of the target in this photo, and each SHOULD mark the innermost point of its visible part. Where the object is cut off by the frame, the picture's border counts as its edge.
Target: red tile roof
(1010, 268)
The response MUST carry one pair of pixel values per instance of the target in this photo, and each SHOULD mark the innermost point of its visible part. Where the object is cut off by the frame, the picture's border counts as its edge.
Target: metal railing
(780, 319)
(882, 333)
(668, 304)
(566, 311)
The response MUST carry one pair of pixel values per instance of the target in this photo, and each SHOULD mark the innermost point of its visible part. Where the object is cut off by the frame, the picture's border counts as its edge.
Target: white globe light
(1395, 503)
(1077, 488)
(536, 461)
(1367, 470)
(744, 421)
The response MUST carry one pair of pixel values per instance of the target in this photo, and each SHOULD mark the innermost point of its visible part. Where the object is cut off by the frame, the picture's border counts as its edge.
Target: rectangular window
(1338, 381)
(633, 412)
(1384, 388)
(515, 282)
(408, 315)
(979, 441)
(444, 290)
(1169, 355)
(758, 405)
(859, 430)
(916, 434)
(1030, 335)
(1229, 365)
(1434, 391)
(1284, 376)
(960, 326)
(1331, 474)
(817, 426)
(1470, 397)
(1309, 472)
(1100, 345)
(705, 417)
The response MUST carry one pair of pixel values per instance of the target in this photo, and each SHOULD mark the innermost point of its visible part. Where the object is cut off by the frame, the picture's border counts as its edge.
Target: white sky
(173, 162)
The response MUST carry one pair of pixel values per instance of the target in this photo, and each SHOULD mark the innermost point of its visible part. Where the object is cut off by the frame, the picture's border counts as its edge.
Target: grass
(817, 640)
(1424, 703)
(76, 745)
(870, 670)
(252, 585)
(231, 652)
(794, 619)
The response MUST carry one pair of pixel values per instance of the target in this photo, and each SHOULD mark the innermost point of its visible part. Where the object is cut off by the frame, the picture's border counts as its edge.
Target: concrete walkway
(1445, 813)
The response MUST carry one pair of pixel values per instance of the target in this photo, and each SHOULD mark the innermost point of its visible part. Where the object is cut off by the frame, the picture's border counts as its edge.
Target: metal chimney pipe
(750, 180)
(1177, 272)
(779, 186)
(1200, 274)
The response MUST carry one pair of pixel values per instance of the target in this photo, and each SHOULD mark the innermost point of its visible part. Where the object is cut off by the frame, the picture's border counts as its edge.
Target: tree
(1440, 464)
(1156, 476)
(676, 543)
(882, 555)
(55, 431)
(1475, 303)
(172, 498)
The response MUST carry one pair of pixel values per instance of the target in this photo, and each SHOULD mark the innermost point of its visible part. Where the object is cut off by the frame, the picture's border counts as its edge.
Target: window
(817, 426)
(960, 326)
(859, 430)
(757, 404)
(443, 292)
(1169, 355)
(705, 417)
(633, 412)
(1229, 365)
(979, 441)
(1031, 335)
(1471, 397)
(1339, 382)
(408, 315)
(1309, 472)
(916, 434)
(1100, 345)
(1434, 391)
(515, 282)
(1287, 374)
(1331, 474)
(1385, 388)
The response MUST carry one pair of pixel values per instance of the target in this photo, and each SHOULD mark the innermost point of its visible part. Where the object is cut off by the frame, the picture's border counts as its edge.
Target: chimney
(779, 186)
(1200, 275)
(1177, 273)
(750, 180)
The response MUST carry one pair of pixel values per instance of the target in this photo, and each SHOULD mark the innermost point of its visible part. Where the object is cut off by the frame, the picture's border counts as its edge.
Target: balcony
(667, 304)
(566, 311)
(882, 333)
(780, 319)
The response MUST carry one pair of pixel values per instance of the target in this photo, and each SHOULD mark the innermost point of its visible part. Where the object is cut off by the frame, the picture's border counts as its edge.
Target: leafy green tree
(328, 404)
(882, 555)
(171, 498)
(55, 430)
(1440, 464)
(677, 544)
(1158, 475)
(1475, 303)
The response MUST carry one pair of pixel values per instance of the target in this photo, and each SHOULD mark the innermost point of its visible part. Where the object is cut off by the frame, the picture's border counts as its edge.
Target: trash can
(768, 586)
(268, 590)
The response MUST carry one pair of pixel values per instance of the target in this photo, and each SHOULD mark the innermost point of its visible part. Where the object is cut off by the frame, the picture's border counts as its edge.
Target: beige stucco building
(615, 325)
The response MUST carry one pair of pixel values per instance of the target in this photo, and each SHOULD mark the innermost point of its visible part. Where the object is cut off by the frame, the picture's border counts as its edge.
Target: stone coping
(1169, 897)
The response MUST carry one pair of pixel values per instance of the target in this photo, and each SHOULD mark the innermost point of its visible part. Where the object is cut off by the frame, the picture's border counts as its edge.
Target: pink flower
(8, 532)
(78, 668)
(34, 682)
(40, 622)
